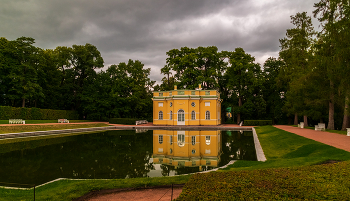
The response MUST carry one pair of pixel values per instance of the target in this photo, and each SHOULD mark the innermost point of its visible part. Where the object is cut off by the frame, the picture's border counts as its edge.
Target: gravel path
(336, 140)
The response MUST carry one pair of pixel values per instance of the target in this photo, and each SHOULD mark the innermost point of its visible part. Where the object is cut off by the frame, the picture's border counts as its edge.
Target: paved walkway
(336, 140)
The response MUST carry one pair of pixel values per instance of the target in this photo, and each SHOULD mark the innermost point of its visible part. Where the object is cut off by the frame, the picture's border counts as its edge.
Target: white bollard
(348, 133)
(301, 124)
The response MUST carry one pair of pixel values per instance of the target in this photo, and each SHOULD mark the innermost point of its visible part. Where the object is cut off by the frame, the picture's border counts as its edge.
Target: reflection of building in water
(187, 148)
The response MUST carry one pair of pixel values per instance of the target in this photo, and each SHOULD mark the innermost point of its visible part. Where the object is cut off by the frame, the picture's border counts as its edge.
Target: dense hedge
(7, 112)
(257, 122)
(317, 182)
(127, 121)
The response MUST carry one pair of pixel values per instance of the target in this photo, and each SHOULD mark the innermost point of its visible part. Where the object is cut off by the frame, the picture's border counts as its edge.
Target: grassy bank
(71, 189)
(289, 172)
(28, 128)
(44, 121)
(318, 182)
(284, 149)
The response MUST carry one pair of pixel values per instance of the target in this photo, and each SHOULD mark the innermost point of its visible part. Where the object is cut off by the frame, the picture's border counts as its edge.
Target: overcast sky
(146, 29)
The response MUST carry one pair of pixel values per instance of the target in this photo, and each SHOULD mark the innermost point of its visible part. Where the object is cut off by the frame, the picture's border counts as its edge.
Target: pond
(120, 154)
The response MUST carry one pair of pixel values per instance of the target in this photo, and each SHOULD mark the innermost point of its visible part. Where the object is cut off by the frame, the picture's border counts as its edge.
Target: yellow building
(186, 107)
(187, 148)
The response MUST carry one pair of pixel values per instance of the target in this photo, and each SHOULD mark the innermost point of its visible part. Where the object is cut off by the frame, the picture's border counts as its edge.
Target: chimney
(199, 87)
(175, 87)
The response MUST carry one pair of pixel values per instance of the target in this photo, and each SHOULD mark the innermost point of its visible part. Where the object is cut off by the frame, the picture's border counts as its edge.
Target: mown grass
(72, 189)
(318, 182)
(29, 128)
(289, 172)
(44, 121)
(284, 149)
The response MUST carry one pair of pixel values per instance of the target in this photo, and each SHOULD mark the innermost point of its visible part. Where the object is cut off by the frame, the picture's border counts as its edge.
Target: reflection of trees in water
(166, 169)
(119, 154)
(237, 146)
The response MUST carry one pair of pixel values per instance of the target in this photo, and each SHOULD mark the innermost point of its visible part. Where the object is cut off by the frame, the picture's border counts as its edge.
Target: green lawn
(284, 149)
(28, 128)
(44, 121)
(291, 171)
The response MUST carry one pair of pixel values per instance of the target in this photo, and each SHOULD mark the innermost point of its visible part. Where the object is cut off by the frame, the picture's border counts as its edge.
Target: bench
(141, 122)
(17, 121)
(63, 121)
(320, 127)
(301, 125)
(348, 131)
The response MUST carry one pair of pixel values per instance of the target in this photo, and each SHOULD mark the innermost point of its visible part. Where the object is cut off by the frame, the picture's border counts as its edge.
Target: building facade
(186, 107)
(187, 148)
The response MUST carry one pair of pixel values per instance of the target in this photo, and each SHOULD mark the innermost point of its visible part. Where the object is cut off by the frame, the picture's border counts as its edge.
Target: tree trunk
(346, 114)
(331, 108)
(23, 102)
(295, 119)
(239, 113)
(305, 121)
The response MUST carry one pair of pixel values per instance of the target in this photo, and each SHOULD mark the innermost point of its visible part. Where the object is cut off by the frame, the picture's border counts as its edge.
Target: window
(207, 93)
(181, 140)
(193, 115)
(160, 115)
(170, 93)
(171, 139)
(207, 103)
(181, 115)
(171, 104)
(160, 104)
(171, 150)
(193, 92)
(171, 115)
(160, 139)
(193, 140)
(160, 94)
(207, 115)
(180, 93)
(193, 151)
(207, 140)
(193, 104)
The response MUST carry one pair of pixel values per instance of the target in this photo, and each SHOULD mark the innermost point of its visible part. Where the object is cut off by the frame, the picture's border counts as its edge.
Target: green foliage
(319, 182)
(257, 122)
(7, 112)
(126, 121)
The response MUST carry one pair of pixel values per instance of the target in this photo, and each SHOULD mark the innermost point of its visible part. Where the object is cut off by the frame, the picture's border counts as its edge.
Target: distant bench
(17, 121)
(320, 127)
(141, 122)
(63, 121)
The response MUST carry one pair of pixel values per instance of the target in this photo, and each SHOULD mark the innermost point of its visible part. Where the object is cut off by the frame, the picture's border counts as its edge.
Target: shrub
(127, 121)
(257, 122)
(7, 112)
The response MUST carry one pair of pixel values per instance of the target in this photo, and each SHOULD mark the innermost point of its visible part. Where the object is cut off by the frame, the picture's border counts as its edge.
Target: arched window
(171, 115)
(181, 115)
(193, 115)
(160, 139)
(160, 115)
(207, 115)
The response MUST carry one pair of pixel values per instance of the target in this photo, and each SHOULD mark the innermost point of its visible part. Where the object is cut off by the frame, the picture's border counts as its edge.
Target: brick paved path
(336, 140)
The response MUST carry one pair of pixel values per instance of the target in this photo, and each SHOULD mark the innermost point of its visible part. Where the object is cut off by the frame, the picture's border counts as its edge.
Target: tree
(194, 66)
(295, 54)
(244, 81)
(334, 16)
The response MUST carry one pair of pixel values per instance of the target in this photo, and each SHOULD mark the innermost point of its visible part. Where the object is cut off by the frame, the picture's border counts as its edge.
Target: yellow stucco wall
(195, 150)
(171, 103)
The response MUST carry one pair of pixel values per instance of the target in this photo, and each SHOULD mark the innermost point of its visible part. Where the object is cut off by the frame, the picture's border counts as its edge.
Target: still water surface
(121, 154)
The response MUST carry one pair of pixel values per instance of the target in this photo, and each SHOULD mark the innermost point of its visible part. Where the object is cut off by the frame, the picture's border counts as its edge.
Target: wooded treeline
(308, 82)
(66, 78)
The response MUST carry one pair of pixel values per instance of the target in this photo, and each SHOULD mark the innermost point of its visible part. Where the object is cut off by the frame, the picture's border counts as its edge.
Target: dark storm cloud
(146, 29)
